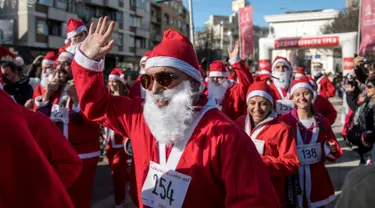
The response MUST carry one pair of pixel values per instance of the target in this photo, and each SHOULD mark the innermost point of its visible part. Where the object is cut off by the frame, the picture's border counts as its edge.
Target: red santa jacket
(39, 92)
(325, 87)
(320, 183)
(27, 179)
(325, 108)
(54, 146)
(234, 103)
(214, 157)
(279, 155)
(276, 94)
(83, 135)
(135, 90)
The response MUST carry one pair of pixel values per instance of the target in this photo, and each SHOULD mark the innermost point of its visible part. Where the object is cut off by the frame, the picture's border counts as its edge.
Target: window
(119, 41)
(133, 2)
(120, 19)
(121, 3)
(166, 18)
(131, 41)
(180, 10)
(179, 24)
(135, 21)
(41, 27)
(140, 43)
(46, 2)
(140, 4)
(55, 28)
(171, 21)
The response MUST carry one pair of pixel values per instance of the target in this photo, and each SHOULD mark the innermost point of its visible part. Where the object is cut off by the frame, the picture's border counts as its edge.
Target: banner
(246, 31)
(367, 26)
(328, 41)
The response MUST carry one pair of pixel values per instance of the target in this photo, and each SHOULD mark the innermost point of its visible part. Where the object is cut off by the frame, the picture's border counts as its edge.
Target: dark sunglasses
(369, 86)
(162, 78)
(64, 64)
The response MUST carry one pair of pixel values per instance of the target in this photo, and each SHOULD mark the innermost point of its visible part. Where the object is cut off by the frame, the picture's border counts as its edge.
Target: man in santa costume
(76, 32)
(325, 87)
(136, 89)
(27, 180)
(300, 73)
(229, 96)
(274, 139)
(116, 155)
(187, 153)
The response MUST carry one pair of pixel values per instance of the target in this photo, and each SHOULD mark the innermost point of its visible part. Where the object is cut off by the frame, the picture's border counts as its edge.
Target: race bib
(259, 144)
(59, 114)
(309, 153)
(284, 106)
(164, 187)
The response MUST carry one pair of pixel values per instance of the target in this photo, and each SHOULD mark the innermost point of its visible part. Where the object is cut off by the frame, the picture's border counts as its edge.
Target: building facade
(40, 26)
(168, 15)
(299, 24)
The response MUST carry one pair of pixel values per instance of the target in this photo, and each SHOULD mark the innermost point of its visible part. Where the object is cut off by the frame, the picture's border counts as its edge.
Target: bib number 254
(163, 188)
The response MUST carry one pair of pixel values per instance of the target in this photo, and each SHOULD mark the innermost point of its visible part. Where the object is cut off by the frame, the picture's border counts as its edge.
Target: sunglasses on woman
(162, 78)
(369, 86)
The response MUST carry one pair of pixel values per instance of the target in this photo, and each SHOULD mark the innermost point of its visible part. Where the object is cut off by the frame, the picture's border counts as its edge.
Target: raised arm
(95, 100)
(244, 76)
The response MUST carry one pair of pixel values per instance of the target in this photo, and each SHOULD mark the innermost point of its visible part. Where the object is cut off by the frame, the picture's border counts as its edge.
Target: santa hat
(218, 69)
(175, 51)
(117, 74)
(265, 71)
(280, 59)
(49, 58)
(144, 57)
(64, 53)
(74, 27)
(304, 82)
(6, 54)
(259, 89)
(19, 61)
(300, 73)
(317, 64)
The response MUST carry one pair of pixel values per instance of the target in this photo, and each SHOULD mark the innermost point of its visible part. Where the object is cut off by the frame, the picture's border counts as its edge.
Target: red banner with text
(367, 26)
(328, 41)
(246, 31)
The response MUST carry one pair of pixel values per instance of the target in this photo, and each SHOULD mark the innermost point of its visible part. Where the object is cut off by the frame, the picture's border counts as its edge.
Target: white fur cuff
(234, 60)
(39, 102)
(87, 63)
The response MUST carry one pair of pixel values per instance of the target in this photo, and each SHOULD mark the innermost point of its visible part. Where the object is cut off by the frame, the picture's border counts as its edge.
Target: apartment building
(40, 26)
(168, 15)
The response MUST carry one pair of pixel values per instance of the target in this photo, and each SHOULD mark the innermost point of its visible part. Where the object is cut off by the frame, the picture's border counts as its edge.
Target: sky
(202, 9)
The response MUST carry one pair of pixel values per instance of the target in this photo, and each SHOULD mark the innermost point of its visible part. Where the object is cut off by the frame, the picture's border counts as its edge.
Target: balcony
(114, 4)
(132, 29)
(133, 8)
(55, 41)
(132, 50)
(56, 14)
(141, 51)
(41, 8)
(95, 2)
(156, 19)
(41, 38)
(142, 32)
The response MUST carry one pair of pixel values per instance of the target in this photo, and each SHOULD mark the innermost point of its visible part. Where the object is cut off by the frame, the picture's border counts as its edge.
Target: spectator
(15, 84)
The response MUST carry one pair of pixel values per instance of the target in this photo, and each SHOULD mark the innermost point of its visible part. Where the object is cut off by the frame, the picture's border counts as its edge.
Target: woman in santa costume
(187, 153)
(316, 143)
(117, 158)
(325, 87)
(230, 96)
(274, 139)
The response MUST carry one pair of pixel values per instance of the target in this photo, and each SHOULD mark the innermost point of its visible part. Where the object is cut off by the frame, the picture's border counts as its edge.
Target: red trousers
(80, 191)
(117, 160)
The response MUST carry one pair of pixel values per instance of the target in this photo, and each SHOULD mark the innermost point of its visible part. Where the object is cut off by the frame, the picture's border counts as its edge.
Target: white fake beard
(315, 74)
(168, 124)
(217, 91)
(283, 79)
(45, 78)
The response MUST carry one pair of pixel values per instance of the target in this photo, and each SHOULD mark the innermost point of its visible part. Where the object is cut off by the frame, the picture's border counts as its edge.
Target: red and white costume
(325, 87)
(313, 151)
(74, 27)
(300, 73)
(234, 102)
(214, 155)
(136, 90)
(274, 141)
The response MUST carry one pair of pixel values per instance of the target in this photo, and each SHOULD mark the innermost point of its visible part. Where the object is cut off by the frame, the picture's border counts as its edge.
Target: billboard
(367, 27)
(246, 31)
(6, 31)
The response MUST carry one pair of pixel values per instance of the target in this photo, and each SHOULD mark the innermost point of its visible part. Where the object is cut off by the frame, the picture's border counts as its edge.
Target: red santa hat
(218, 69)
(64, 53)
(74, 27)
(117, 74)
(259, 89)
(265, 71)
(49, 58)
(175, 51)
(6, 54)
(144, 57)
(304, 82)
(300, 73)
(280, 59)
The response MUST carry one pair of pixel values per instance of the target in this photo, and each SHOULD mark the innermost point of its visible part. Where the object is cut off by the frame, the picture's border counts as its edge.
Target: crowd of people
(215, 138)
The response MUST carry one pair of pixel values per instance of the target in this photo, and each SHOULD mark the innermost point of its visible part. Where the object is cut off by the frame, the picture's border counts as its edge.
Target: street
(102, 195)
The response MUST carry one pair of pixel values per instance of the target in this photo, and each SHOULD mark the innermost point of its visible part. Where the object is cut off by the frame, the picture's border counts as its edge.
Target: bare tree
(205, 46)
(347, 21)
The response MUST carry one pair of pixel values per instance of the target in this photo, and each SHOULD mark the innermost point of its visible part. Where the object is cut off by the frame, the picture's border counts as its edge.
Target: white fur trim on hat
(261, 72)
(299, 85)
(181, 65)
(144, 58)
(87, 63)
(260, 93)
(67, 55)
(283, 61)
(76, 31)
(298, 75)
(118, 78)
(317, 64)
(218, 74)
(47, 62)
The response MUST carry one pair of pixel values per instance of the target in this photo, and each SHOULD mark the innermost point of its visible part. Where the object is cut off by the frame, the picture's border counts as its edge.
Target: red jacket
(325, 108)
(54, 146)
(280, 155)
(221, 175)
(325, 87)
(39, 92)
(135, 90)
(27, 179)
(320, 183)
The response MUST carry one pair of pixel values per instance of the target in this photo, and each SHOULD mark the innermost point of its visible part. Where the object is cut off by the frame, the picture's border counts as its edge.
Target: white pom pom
(66, 41)
(19, 61)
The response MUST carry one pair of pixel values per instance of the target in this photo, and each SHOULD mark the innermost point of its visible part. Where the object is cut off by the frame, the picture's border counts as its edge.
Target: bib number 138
(309, 153)
(163, 188)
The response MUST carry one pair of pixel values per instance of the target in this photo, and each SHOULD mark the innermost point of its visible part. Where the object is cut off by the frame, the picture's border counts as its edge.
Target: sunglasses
(162, 78)
(64, 64)
(369, 86)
